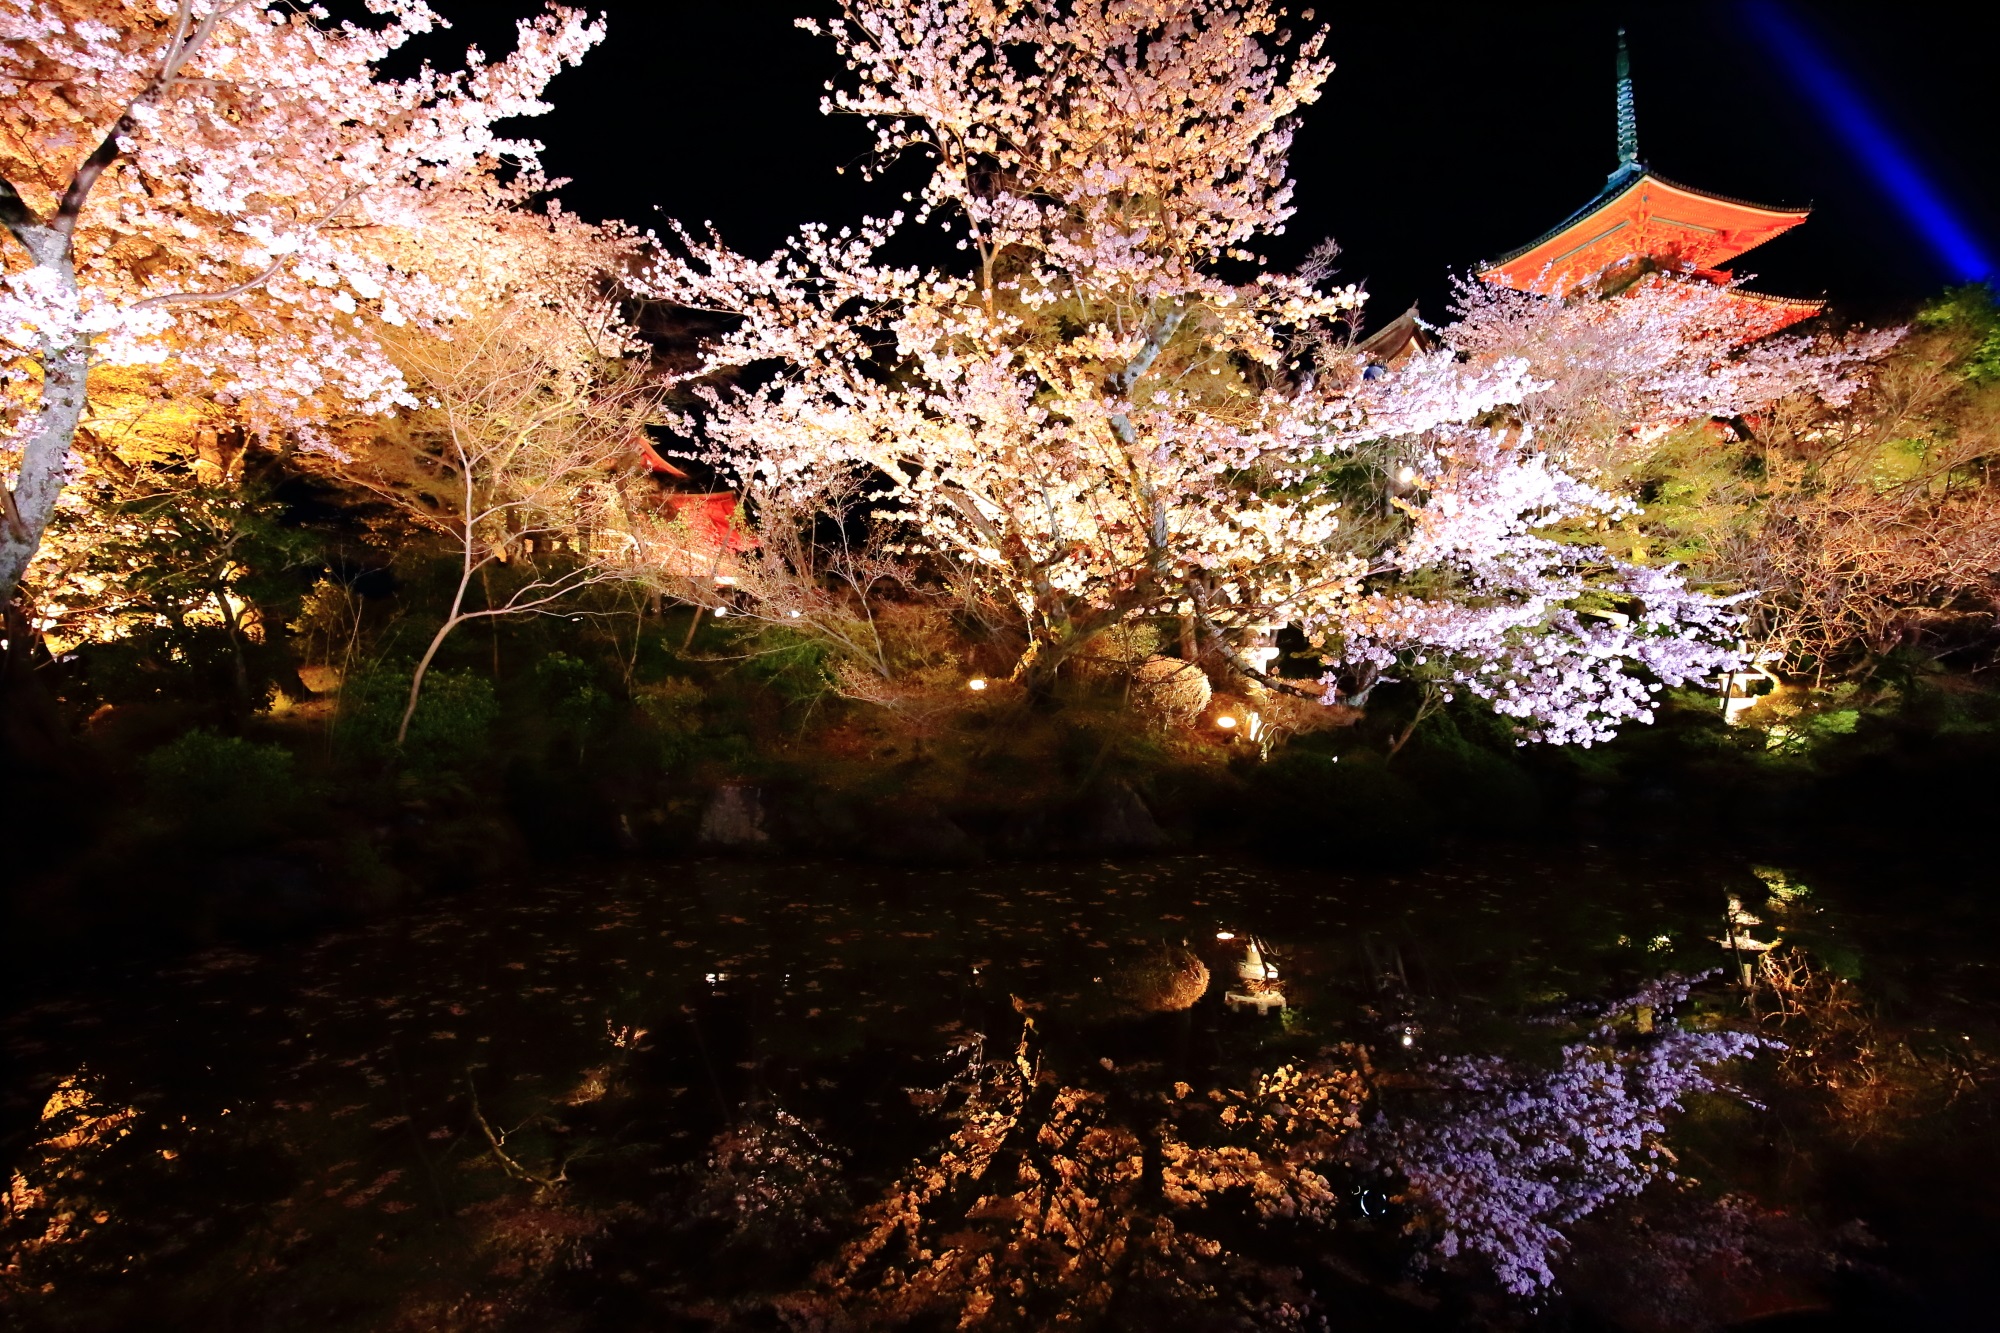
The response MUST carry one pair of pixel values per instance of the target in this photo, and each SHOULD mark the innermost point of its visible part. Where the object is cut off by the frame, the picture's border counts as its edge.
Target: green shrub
(793, 666)
(576, 707)
(672, 709)
(452, 729)
(1475, 786)
(220, 790)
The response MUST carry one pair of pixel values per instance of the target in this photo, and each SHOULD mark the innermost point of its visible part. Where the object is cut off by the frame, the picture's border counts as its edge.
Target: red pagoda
(710, 515)
(1642, 222)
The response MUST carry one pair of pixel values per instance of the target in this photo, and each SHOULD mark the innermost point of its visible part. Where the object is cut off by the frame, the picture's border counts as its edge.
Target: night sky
(1448, 134)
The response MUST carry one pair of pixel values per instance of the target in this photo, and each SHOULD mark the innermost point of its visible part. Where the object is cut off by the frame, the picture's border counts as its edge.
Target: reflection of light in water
(1257, 979)
(1255, 967)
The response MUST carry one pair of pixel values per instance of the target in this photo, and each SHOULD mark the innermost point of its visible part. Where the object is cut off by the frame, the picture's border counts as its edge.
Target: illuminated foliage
(231, 189)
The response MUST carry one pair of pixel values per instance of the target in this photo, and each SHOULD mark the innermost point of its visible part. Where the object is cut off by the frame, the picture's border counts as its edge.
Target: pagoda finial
(1628, 116)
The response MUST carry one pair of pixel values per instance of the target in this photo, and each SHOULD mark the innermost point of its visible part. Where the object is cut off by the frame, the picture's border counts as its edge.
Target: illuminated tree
(229, 189)
(1496, 578)
(1118, 411)
(515, 461)
(1861, 523)
(1090, 421)
(1617, 369)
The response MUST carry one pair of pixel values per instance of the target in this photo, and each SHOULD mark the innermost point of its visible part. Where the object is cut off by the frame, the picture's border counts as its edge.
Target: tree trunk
(45, 460)
(33, 737)
(239, 664)
(1432, 701)
(451, 622)
(417, 678)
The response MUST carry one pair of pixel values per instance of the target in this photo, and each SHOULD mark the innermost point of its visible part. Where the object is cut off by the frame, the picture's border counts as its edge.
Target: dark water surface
(710, 1094)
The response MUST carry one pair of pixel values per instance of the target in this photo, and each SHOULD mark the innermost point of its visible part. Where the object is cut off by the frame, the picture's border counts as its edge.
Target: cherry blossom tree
(1115, 409)
(1091, 418)
(1495, 580)
(230, 190)
(1617, 368)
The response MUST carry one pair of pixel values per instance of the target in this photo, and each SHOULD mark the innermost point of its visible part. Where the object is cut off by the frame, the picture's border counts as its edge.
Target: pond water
(1185, 1092)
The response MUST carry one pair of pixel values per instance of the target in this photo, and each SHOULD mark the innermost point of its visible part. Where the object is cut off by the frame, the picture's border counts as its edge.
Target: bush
(221, 790)
(451, 731)
(672, 709)
(1474, 787)
(576, 707)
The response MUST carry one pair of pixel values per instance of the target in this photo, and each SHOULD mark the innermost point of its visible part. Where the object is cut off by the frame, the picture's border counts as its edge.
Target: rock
(1130, 982)
(918, 833)
(734, 817)
(811, 820)
(1171, 690)
(1021, 833)
(1165, 980)
(1118, 821)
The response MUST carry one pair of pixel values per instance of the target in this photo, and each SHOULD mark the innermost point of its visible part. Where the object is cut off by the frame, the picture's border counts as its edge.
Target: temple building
(1642, 223)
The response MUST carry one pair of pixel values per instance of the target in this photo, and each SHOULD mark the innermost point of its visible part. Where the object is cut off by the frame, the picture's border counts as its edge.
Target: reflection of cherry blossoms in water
(766, 1182)
(1500, 1156)
(1057, 1202)
(1128, 1204)
(751, 1121)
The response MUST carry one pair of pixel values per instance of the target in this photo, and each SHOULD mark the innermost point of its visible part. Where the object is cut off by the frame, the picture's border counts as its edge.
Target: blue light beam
(1893, 169)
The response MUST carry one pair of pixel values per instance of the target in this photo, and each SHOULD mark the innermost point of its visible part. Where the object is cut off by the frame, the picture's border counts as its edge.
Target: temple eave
(1644, 214)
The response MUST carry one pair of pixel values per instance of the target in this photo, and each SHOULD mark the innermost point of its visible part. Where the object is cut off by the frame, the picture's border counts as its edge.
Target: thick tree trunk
(45, 459)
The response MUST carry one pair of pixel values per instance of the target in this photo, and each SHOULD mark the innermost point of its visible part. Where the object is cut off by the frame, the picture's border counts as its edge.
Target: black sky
(1449, 132)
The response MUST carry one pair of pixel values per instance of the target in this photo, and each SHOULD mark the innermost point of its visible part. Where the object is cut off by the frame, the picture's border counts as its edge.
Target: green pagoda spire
(1628, 116)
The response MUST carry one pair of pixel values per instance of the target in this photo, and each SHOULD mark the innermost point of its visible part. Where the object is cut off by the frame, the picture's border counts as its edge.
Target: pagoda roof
(1640, 213)
(1759, 315)
(1398, 340)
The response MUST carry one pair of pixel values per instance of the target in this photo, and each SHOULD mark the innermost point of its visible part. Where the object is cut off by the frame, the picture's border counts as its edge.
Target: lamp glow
(1226, 722)
(976, 684)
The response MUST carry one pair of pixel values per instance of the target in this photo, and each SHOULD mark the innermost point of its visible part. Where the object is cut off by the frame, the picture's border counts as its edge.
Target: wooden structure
(709, 515)
(1641, 222)
(1396, 342)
